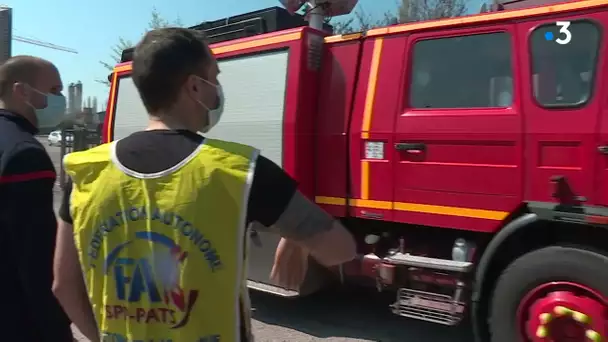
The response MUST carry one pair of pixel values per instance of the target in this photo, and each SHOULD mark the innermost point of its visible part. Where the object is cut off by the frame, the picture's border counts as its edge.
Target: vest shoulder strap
(231, 147)
(241, 155)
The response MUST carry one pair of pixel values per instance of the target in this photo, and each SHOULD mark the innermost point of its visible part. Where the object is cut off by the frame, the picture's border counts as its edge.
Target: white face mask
(53, 113)
(213, 115)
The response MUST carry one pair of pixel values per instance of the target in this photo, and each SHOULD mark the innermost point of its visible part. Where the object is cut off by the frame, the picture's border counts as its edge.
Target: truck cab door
(561, 107)
(458, 137)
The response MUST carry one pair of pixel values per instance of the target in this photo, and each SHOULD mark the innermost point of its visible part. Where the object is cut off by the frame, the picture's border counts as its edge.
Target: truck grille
(427, 306)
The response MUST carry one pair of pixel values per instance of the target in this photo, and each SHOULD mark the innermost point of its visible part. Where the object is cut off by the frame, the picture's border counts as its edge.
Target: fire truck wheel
(553, 294)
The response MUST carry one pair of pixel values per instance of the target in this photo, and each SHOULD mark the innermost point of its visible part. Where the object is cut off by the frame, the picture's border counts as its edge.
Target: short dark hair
(162, 62)
(19, 69)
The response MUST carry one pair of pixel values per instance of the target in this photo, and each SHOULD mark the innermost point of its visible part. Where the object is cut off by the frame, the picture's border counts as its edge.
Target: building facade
(6, 34)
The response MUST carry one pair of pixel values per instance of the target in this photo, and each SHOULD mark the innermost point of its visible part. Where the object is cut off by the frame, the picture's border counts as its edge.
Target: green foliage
(419, 10)
(362, 21)
(156, 21)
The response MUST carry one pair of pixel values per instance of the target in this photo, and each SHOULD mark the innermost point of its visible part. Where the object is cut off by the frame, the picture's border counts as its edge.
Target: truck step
(272, 289)
(432, 263)
(427, 306)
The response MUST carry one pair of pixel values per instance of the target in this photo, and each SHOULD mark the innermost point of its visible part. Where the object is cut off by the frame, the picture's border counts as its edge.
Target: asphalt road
(335, 315)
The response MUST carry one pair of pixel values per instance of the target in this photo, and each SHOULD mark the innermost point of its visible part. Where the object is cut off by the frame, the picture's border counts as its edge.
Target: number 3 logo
(563, 30)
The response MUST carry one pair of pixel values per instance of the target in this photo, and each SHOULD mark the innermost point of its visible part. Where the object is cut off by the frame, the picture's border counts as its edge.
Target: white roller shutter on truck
(254, 87)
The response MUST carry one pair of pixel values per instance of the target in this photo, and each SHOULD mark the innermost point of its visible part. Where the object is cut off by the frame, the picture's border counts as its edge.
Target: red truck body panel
(480, 164)
(338, 76)
(372, 120)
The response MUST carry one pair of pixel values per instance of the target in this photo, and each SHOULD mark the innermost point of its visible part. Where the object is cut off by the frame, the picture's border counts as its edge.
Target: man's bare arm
(306, 224)
(69, 286)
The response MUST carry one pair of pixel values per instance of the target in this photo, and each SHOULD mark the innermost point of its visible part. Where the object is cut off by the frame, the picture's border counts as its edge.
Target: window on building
(472, 71)
(562, 75)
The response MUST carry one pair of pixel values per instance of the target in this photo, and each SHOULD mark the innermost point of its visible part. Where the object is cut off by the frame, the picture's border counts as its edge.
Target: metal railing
(82, 139)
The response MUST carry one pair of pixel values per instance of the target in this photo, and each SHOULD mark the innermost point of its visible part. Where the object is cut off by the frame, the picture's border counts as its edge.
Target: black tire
(535, 268)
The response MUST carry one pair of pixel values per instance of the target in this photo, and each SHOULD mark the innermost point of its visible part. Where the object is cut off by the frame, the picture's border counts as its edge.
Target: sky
(93, 27)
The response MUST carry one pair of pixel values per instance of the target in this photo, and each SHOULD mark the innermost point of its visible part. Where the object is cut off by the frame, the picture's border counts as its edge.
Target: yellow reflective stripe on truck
(496, 215)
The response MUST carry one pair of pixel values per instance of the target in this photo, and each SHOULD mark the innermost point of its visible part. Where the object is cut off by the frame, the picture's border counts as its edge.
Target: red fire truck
(469, 157)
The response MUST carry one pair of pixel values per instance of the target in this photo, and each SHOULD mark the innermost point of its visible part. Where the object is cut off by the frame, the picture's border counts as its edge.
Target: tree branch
(156, 21)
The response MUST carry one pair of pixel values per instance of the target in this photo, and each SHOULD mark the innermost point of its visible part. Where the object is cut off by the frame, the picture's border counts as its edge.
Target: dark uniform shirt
(30, 311)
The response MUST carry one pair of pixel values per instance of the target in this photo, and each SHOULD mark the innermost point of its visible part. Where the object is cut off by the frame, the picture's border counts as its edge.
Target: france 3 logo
(563, 36)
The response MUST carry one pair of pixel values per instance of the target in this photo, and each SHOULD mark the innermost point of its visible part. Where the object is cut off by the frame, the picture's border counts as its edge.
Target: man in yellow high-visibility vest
(156, 221)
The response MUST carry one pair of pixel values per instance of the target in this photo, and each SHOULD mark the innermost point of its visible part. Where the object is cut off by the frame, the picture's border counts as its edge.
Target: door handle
(602, 149)
(410, 147)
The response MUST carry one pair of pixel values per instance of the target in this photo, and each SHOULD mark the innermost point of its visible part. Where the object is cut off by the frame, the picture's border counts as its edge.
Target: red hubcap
(562, 312)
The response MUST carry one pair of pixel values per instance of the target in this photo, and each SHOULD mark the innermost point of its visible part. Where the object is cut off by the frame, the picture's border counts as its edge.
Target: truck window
(563, 75)
(462, 72)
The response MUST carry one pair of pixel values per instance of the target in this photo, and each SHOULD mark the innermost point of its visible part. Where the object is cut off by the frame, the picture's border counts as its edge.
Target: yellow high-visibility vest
(163, 254)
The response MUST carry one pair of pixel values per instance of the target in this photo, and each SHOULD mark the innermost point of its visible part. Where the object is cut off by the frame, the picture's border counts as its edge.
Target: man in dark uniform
(30, 87)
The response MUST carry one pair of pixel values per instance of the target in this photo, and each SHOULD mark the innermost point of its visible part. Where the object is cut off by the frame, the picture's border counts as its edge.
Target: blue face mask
(53, 113)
